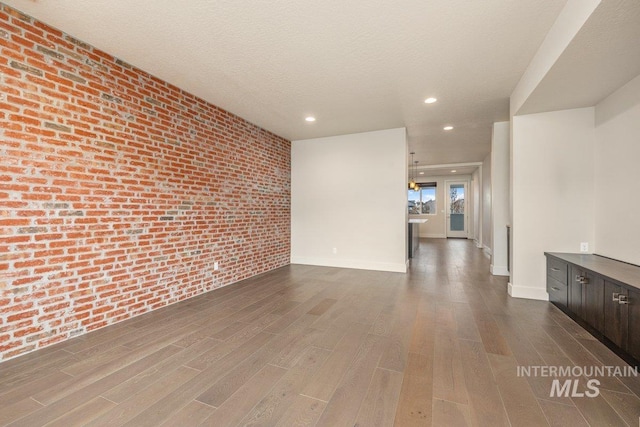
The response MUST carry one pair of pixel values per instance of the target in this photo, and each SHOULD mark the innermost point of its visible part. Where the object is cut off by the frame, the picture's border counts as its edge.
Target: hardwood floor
(315, 346)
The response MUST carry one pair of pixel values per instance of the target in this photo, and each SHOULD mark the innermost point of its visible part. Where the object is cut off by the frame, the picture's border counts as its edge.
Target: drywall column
(553, 192)
(342, 214)
(500, 216)
(617, 224)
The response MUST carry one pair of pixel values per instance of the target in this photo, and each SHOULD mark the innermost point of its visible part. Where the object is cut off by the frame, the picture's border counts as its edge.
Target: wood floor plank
(597, 411)
(518, 398)
(581, 357)
(153, 373)
(276, 403)
(323, 384)
(282, 349)
(194, 414)
(561, 415)
(380, 402)
(143, 399)
(466, 327)
(322, 306)
(303, 412)
(526, 355)
(414, 402)
(17, 410)
(450, 414)
(627, 406)
(492, 339)
(234, 409)
(448, 373)
(80, 396)
(485, 403)
(83, 414)
(345, 402)
(171, 403)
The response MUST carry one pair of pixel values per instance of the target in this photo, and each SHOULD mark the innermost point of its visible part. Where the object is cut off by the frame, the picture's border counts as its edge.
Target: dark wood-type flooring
(315, 346)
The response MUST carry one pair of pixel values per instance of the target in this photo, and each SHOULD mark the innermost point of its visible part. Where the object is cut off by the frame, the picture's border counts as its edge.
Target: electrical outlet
(584, 247)
(335, 251)
(216, 267)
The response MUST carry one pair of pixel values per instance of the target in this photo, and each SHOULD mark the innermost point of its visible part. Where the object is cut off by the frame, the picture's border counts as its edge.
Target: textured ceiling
(356, 65)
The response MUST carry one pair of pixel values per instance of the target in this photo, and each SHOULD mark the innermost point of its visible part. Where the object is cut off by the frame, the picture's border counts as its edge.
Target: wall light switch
(584, 247)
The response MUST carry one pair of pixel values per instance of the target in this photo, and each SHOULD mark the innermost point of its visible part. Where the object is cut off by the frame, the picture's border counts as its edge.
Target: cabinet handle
(554, 288)
(616, 296)
(623, 299)
(555, 269)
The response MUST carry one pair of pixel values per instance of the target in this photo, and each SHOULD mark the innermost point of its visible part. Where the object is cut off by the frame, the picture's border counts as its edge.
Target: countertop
(616, 270)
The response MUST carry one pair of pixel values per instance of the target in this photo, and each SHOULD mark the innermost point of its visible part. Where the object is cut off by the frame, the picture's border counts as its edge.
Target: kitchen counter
(414, 235)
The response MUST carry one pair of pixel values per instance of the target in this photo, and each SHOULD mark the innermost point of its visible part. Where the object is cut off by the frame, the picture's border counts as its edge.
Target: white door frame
(460, 234)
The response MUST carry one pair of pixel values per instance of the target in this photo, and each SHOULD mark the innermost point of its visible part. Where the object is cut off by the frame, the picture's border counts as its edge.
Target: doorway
(457, 209)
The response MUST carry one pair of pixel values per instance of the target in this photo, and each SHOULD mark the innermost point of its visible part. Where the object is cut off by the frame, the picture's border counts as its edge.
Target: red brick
(128, 242)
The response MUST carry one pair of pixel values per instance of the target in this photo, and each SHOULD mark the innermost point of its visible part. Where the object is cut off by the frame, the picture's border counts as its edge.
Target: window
(423, 201)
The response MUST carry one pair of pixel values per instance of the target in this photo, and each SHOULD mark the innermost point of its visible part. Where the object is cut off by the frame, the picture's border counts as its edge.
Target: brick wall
(118, 191)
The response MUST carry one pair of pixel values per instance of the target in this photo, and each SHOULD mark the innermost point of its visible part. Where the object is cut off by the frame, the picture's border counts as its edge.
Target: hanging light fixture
(415, 173)
(412, 181)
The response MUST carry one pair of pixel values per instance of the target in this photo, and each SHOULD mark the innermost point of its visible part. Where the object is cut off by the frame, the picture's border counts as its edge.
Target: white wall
(617, 174)
(475, 225)
(553, 192)
(486, 204)
(337, 202)
(500, 206)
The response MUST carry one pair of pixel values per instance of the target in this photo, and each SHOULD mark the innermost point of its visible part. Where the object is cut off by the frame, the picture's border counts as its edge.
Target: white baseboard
(433, 236)
(528, 292)
(350, 263)
(487, 250)
(498, 270)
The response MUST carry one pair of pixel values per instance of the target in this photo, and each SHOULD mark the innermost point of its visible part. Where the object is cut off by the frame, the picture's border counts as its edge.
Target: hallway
(306, 345)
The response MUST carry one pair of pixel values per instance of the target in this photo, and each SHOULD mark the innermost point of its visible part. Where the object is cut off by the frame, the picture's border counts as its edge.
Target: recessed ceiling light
(310, 119)
(421, 173)
(430, 100)
(448, 128)
(453, 171)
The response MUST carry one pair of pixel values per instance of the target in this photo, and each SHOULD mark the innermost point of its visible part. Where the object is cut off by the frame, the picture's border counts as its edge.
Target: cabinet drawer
(557, 269)
(558, 292)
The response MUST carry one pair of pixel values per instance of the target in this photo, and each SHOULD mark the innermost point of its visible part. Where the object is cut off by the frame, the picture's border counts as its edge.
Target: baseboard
(350, 263)
(497, 270)
(487, 250)
(528, 292)
(433, 236)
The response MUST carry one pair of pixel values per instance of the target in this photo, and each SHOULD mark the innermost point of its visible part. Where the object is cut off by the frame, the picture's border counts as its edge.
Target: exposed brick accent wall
(119, 191)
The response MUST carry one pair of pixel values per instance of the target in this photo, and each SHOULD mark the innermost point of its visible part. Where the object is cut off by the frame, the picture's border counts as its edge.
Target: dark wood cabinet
(633, 322)
(615, 314)
(557, 279)
(601, 294)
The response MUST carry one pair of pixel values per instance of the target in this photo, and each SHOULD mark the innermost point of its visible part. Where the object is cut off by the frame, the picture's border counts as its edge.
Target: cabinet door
(593, 300)
(633, 319)
(615, 315)
(575, 292)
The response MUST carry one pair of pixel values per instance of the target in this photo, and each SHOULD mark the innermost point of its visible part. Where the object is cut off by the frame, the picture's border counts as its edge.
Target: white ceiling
(356, 65)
